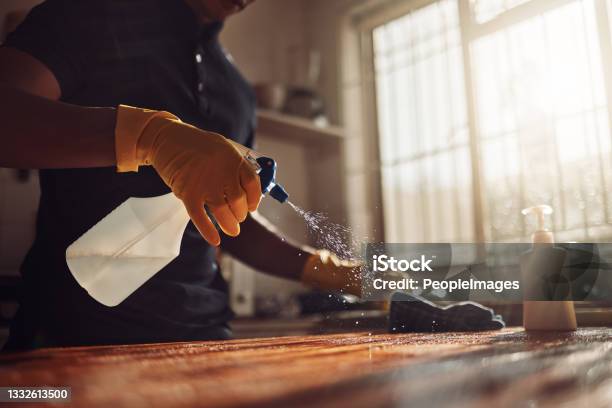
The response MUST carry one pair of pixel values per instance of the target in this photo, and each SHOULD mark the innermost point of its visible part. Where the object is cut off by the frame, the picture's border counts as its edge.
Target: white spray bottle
(141, 236)
(544, 259)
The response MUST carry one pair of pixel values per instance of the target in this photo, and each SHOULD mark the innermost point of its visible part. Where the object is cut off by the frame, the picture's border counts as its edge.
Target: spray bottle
(141, 236)
(538, 265)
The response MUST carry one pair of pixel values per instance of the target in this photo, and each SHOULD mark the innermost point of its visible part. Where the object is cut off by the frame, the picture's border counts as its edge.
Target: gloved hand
(325, 271)
(201, 168)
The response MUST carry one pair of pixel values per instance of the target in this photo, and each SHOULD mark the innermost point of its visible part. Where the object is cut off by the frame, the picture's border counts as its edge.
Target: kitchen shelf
(288, 127)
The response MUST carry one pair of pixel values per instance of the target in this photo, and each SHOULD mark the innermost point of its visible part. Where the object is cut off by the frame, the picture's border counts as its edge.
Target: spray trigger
(267, 177)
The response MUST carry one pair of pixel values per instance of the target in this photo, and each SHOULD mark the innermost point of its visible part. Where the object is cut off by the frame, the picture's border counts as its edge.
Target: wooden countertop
(506, 368)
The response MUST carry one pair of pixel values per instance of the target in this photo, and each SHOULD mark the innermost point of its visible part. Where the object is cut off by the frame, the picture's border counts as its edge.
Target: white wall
(264, 38)
(267, 41)
(263, 41)
(331, 31)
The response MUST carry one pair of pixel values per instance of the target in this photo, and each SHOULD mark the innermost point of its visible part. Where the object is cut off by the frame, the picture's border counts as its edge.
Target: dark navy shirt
(146, 53)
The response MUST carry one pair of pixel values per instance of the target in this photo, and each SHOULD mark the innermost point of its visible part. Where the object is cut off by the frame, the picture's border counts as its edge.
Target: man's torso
(149, 54)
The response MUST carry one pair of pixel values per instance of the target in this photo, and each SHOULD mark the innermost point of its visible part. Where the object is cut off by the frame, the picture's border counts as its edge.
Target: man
(163, 55)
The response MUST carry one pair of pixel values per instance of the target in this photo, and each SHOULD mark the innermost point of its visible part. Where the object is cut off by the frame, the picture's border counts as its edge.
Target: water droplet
(334, 237)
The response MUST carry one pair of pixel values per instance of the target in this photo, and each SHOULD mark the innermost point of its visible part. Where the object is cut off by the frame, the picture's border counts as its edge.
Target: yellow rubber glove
(201, 168)
(325, 271)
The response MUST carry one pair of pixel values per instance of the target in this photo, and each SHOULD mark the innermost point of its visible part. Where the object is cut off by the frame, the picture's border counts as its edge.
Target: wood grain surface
(508, 368)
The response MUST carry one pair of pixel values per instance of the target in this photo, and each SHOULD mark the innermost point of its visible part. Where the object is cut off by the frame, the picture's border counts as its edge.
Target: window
(422, 117)
(533, 127)
(487, 10)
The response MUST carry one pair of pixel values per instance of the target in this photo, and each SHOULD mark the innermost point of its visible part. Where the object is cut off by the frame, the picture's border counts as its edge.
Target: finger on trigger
(203, 223)
(237, 201)
(226, 219)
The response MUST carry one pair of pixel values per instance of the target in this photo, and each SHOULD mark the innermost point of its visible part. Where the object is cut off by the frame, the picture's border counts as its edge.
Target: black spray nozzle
(267, 177)
(279, 193)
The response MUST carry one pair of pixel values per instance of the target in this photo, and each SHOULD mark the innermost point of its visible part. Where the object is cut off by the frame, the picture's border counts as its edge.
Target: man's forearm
(260, 245)
(41, 133)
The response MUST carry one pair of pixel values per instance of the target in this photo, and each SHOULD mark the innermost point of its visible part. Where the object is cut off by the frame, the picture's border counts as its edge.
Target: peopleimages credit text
(385, 263)
(509, 272)
(447, 285)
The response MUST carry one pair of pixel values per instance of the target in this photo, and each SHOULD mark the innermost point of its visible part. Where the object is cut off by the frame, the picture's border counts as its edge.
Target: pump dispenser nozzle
(541, 235)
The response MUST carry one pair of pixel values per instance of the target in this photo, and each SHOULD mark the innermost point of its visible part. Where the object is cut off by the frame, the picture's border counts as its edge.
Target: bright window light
(423, 126)
(486, 10)
(541, 122)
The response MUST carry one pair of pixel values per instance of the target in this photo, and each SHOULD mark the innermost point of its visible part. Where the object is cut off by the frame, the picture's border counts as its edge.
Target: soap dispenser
(538, 265)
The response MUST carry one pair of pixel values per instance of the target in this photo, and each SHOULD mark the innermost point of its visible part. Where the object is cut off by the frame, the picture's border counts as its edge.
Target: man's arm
(40, 132)
(37, 131)
(260, 245)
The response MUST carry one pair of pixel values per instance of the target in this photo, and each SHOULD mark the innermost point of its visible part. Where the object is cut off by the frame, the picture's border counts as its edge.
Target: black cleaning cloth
(414, 314)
